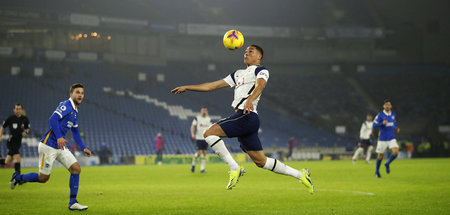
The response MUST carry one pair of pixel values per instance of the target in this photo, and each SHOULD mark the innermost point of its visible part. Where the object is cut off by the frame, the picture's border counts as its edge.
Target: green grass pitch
(418, 186)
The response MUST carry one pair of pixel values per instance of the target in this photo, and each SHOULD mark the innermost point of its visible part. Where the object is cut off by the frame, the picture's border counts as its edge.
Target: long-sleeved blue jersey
(64, 118)
(386, 131)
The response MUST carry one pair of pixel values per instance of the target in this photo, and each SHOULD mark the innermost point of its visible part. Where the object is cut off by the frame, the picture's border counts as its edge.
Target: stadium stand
(295, 13)
(116, 111)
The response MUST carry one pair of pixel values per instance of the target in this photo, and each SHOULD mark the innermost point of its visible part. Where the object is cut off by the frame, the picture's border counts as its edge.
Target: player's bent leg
(260, 159)
(75, 168)
(17, 178)
(391, 158)
(212, 137)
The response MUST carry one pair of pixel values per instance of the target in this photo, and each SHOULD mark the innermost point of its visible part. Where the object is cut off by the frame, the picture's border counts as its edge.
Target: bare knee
(395, 152)
(260, 161)
(75, 169)
(215, 129)
(380, 156)
(43, 178)
(260, 164)
(208, 132)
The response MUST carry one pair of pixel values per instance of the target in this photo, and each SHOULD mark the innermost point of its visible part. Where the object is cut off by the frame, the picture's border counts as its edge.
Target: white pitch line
(348, 191)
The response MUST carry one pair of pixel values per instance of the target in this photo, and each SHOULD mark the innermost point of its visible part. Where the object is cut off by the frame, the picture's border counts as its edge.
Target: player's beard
(76, 102)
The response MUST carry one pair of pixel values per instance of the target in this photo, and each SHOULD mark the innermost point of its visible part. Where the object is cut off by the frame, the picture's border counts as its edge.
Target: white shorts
(47, 155)
(382, 145)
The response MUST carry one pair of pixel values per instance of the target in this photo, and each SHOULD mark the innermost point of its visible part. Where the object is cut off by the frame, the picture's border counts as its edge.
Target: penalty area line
(347, 191)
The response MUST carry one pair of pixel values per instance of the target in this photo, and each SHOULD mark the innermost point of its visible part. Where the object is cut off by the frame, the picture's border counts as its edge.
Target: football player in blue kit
(53, 147)
(387, 123)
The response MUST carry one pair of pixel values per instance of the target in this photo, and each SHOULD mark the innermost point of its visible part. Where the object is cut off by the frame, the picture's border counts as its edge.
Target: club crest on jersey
(14, 125)
(47, 165)
(393, 117)
(241, 82)
(63, 108)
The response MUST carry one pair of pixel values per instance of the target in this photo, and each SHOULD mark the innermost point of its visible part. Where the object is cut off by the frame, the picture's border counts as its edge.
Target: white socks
(219, 148)
(202, 162)
(195, 158)
(281, 168)
(369, 153)
(358, 153)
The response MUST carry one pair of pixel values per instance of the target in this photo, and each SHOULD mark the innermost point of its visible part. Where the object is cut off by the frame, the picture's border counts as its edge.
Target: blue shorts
(245, 127)
(202, 145)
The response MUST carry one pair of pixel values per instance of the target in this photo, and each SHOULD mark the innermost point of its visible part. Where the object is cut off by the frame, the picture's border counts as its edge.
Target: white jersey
(201, 123)
(366, 130)
(244, 81)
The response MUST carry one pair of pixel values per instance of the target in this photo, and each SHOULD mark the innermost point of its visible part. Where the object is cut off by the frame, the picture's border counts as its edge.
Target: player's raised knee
(75, 169)
(208, 132)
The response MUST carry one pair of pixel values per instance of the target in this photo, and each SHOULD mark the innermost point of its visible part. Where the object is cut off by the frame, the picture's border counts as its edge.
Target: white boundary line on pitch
(348, 191)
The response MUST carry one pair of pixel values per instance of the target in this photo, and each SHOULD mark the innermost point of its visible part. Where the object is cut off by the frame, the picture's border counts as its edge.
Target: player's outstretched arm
(205, 87)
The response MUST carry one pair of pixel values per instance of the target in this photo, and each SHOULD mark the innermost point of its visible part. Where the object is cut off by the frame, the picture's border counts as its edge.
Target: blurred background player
(291, 145)
(198, 127)
(364, 140)
(244, 123)
(387, 122)
(158, 144)
(53, 147)
(19, 126)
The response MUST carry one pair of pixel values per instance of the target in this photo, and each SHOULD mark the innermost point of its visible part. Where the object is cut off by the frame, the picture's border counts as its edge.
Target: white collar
(387, 114)
(73, 104)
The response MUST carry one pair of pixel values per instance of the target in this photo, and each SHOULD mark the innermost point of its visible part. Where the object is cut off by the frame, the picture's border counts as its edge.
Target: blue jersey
(68, 116)
(386, 131)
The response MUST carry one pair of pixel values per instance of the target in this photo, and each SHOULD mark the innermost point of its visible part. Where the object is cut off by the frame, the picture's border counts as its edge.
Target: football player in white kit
(248, 85)
(198, 127)
(364, 140)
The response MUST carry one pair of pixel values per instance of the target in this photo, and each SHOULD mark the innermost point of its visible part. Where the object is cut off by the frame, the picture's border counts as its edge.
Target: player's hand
(179, 90)
(397, 130)
(248, 107)
(87, 152)
(193, 137)
(385, 122)
(24, 134)
(62, 143)
(1, 139)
